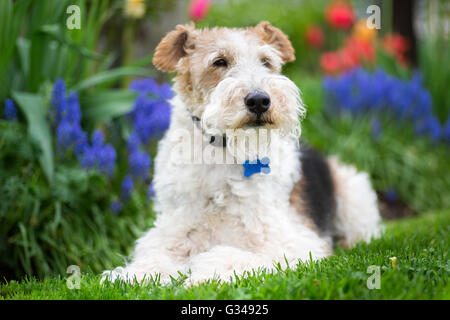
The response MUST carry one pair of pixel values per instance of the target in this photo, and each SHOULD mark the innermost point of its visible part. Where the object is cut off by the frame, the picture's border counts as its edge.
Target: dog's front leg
(158, 254)
(223, 263)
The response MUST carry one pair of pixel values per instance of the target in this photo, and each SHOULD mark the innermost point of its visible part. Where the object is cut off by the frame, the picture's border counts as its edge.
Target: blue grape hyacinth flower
(127, 188)
(150, 191)
(139, 163)
(391, 195)
(70, 137)
(10, 111)
(68, 133)
(151, 87)
(97, 138)
(106, 159)
(116, 207)
(446, 130)
(99, 155)
(150, 118)
(359, 92)
(151, 111)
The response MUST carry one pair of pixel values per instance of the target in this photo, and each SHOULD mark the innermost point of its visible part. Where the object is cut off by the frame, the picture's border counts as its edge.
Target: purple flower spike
(446, 130)
(358, 92)
(139, 163)
(116, 207)
(150, 191)
(10, 111)
(127, 188)
(97, 139)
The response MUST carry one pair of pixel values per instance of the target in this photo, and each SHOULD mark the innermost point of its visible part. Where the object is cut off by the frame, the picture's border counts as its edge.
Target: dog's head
(230, 78)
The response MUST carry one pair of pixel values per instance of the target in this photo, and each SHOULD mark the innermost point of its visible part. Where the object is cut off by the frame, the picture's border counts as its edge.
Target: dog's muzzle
(257, 102)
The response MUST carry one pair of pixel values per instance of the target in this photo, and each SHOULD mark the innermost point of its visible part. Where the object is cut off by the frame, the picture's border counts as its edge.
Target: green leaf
(55, 32)
(111, 76)
(6, 15)
(33, 108)
(23, 48)
(106, 105)
(144, 61)
(12, 15)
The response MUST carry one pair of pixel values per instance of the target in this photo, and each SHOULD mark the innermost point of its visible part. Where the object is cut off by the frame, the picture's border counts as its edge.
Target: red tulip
(347, 59)
(330, 62)
(314, 36)
(198, 9)
(361, 50)
(397, 45)
(340, 15)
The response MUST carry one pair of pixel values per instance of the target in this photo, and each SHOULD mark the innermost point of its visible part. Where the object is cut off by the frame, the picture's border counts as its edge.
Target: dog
(219, 220)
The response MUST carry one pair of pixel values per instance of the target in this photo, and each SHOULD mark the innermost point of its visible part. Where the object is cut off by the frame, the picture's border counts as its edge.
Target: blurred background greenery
(75, 159)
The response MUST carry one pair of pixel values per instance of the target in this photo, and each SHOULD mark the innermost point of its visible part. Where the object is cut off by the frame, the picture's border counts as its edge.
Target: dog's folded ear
(276, 38)
(172, 48)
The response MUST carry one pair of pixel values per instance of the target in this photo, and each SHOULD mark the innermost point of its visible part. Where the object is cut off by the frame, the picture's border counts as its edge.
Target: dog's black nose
(257, 102)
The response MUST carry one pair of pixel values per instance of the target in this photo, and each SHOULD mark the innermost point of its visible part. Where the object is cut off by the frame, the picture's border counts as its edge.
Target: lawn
(420, 271)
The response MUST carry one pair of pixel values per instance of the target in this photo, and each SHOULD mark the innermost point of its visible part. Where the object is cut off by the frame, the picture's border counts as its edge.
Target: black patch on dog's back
(318, 189)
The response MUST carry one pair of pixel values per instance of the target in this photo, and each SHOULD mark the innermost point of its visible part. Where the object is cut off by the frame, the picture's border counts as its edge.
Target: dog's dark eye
(220, 63)
(266, 63)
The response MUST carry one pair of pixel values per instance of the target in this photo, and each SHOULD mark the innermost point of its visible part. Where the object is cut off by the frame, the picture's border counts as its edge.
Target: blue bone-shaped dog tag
(251, 168)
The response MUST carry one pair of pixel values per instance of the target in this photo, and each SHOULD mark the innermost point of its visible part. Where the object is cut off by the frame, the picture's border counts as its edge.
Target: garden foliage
(76, 141)
(63, 136)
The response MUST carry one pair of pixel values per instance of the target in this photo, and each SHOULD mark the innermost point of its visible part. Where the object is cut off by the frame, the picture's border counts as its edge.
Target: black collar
(217, 140)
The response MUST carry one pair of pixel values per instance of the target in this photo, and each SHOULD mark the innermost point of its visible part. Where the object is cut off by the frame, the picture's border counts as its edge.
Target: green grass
(421, 246)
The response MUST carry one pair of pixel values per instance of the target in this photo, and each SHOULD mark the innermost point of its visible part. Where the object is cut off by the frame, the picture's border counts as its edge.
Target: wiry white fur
(357, 212)
(211, 220)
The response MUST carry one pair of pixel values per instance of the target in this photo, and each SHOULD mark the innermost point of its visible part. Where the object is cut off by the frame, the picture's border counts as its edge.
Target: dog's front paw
(196, 279)
(134, 277)
(113, 275)
(124, 275)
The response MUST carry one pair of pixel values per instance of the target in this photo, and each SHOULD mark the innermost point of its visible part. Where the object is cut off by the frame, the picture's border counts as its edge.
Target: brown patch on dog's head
(275, 37)
(172, 48)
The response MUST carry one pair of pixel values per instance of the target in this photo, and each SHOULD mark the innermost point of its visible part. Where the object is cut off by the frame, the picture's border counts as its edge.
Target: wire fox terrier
(226, 206)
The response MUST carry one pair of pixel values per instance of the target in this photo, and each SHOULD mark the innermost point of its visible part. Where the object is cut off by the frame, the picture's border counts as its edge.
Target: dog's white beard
(250, 144)
(225, 108)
